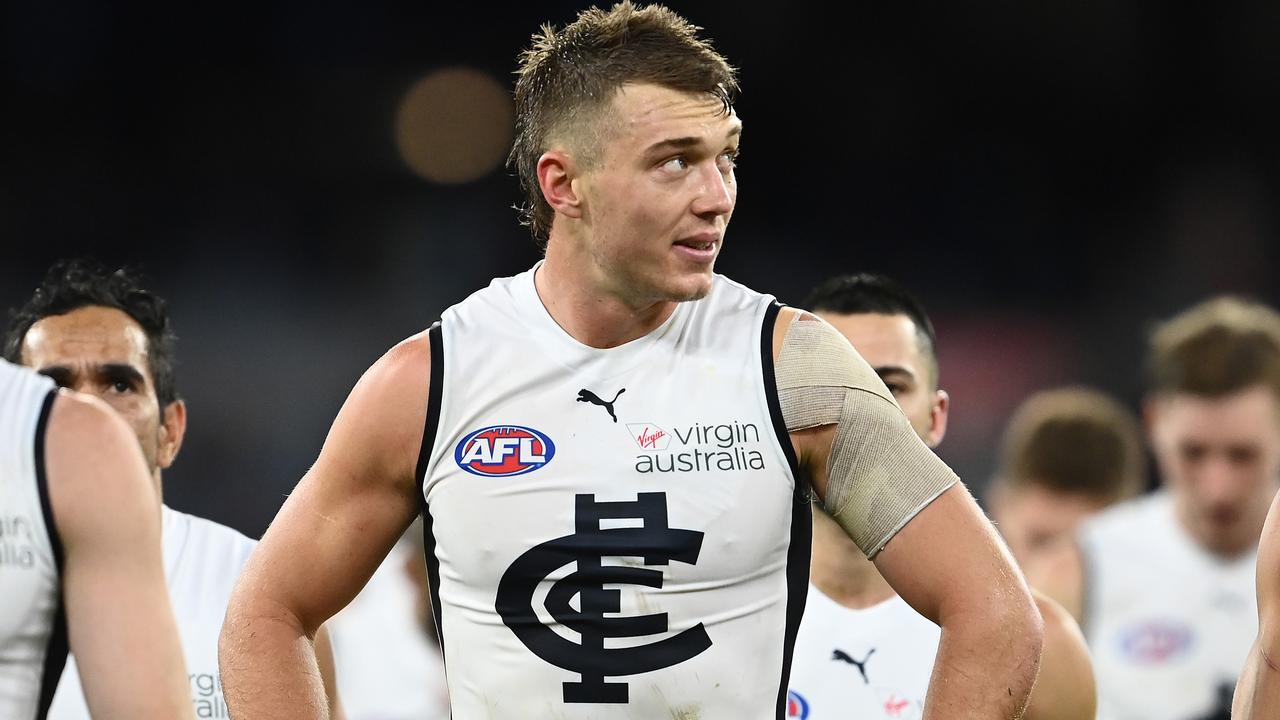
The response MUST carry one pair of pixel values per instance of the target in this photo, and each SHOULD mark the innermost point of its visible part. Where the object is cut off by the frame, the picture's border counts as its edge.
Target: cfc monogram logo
(654, 541)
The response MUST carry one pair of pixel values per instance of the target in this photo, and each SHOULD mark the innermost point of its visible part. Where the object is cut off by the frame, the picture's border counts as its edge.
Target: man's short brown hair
(1074, 440)
(568, 78)
(1217, 348)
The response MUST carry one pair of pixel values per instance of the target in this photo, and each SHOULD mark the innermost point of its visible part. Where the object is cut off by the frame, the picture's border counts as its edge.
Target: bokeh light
(454, 125)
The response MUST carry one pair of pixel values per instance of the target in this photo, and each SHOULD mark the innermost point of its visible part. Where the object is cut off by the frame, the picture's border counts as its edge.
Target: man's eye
(729, 159)
(675, 164)
(121, 386)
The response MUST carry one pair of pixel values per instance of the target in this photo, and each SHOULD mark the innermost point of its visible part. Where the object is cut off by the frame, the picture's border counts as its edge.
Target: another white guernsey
(202, 561)
(872, 663)
(612, 533)
(1169, 624)
(33, 639)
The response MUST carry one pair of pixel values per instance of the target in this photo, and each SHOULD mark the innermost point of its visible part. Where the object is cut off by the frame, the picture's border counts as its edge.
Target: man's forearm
(985, 667)
(269, 667)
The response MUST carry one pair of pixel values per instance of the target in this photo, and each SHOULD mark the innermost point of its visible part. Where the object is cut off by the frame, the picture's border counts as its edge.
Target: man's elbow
(1026, 628)
(1005, 625)
(250, 621)
(233, 635)
(1014, 634)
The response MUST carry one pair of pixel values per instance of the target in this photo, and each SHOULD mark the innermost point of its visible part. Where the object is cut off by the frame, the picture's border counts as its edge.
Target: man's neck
(841, 571)
(584, 307)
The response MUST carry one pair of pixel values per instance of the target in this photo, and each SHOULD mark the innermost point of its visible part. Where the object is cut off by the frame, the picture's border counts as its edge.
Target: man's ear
(173, 427)
(939, 406)
(556, 174)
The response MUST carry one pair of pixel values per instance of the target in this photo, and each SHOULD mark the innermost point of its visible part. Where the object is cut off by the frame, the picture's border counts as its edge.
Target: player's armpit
(1065, 688)
(330, 536)
(106, 512)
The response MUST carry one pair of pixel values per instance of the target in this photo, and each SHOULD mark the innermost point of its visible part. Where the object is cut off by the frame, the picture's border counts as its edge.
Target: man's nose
(716, 194)
(1219, 480)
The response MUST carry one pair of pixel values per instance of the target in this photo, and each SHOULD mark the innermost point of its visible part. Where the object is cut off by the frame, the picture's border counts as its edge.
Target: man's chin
(691, 296)
(691, 288)
(1226, 540)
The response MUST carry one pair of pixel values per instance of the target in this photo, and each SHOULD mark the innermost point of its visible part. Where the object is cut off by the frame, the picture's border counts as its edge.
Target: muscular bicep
(107, 513)
(864, 460)
(949, 552)
(353, 504)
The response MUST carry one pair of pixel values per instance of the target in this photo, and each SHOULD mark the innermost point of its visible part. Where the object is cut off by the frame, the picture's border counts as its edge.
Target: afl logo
(504, 451)
(1152, 643)
(797, 706)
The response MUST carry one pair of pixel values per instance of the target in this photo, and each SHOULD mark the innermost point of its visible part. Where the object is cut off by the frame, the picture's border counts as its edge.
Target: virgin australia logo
(649, 436)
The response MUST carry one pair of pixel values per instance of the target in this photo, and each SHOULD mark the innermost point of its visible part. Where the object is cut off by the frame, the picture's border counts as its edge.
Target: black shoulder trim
(432, 425)
(55, 656)
(800, 546)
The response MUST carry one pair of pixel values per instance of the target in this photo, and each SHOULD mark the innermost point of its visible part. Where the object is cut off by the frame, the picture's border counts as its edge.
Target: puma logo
(587, 396)
(860, 664)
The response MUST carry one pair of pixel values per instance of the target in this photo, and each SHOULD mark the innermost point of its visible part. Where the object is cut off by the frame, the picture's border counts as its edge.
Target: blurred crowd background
(308, 183)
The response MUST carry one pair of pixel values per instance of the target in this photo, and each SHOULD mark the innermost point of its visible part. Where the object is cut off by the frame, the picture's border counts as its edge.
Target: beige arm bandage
(880, 474)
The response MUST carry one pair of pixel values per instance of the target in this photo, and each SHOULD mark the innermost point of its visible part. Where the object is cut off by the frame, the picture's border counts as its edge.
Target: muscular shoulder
(381, 423)
(87, 445)
(809, 352)
(93, 461)
(76, 417)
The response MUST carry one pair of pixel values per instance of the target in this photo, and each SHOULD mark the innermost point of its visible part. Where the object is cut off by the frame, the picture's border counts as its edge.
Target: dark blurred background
(309, 182)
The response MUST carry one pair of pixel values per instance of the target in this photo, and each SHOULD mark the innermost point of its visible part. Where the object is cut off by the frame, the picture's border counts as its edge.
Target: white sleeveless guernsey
(33, 640)
(872, 663)
(202, 561)
(612, 533)
(1169, 625)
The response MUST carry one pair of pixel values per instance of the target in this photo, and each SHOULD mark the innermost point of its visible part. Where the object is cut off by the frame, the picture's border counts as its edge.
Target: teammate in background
(1258, 692)
(862, 651)
(80, 560)
(1066, 454)
(595, 554)
(1164, 584)
(103, 334)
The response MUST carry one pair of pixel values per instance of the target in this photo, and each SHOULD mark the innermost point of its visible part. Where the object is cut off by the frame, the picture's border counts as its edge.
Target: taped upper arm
(868, 466)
